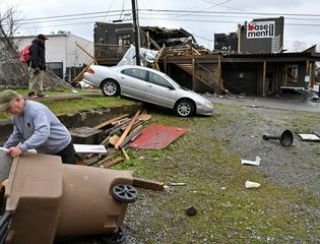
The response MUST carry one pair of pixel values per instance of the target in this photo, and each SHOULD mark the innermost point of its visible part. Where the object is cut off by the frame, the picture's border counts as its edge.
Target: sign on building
(260, 29)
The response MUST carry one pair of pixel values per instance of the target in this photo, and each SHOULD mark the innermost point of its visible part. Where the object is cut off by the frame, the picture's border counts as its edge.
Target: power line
(228, 14)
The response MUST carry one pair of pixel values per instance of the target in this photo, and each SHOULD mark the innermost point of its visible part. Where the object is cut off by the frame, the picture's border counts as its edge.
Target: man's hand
(14, 151)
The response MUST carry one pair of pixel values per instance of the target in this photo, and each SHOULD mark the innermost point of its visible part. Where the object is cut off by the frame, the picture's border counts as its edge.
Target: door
(160, 91)
(133, 82)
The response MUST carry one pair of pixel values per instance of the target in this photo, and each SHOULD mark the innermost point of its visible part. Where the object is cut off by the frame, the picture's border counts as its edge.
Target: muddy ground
(285, 209)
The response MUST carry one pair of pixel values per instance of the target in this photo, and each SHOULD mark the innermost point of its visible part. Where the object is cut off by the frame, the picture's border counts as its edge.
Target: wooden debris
(177, 184)
(101, 161)
(148, 184)
(108, 164)
(144, 117)
(79, 161)
(121, 121)
(114, 139)
(125, 133)
(110, 121)
(91, 160)
(125, 154)
(134, 134)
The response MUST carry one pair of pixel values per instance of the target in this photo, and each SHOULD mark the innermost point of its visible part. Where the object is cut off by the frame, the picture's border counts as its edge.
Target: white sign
(261, 29)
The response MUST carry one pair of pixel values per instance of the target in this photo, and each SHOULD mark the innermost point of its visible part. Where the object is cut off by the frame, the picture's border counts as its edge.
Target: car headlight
(208, 104)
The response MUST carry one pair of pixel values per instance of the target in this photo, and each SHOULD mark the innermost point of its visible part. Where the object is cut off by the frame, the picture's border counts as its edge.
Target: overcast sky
(302, 18)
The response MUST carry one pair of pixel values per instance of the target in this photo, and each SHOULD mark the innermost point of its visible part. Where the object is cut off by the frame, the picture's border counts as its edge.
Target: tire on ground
(185, 108)
(110, 88)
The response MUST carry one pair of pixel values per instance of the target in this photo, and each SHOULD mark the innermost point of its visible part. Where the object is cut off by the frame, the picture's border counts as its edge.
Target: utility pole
(136, 30)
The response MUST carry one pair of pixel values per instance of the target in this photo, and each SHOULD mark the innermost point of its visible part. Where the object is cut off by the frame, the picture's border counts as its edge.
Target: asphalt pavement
(292, 102)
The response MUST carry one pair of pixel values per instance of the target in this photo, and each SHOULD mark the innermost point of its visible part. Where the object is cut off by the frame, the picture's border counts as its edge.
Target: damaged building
(190, 64)
(259, 66)
(249, 61)
(112, 40)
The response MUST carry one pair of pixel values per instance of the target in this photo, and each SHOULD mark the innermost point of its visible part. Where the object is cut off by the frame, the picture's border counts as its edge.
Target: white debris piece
(249, 162)
(251, 184)
(87, 148)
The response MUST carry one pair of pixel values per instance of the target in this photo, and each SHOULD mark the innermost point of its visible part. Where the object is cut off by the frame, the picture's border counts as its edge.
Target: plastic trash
(249, 162)
(251, 184)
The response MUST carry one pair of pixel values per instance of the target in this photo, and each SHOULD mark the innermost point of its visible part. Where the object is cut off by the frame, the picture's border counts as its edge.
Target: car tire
(184, 108)
(110, 88)
(124, 193)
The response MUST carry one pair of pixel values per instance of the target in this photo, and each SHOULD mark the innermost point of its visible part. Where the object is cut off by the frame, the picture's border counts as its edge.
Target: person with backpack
(37, 64)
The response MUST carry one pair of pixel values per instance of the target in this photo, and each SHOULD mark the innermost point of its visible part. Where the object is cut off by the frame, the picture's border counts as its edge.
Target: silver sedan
(147, 85)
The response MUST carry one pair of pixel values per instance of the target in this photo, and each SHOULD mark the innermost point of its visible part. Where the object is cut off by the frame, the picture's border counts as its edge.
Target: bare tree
(12, 72)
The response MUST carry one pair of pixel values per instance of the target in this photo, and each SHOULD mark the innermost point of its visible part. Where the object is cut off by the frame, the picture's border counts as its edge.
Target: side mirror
(171, 88)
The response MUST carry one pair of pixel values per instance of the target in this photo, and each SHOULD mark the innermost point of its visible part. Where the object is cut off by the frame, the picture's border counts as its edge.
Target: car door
(159, 91)
(133, 83)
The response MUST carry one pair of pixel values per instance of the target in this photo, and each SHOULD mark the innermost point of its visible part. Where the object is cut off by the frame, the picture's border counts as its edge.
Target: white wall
(75, 56)
(62, 48)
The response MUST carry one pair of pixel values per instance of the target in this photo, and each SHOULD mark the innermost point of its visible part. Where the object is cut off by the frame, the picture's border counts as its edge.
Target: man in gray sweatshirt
(35, 127)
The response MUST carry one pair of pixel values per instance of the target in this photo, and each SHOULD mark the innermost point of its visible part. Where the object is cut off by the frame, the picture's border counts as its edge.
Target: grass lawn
(70, 106)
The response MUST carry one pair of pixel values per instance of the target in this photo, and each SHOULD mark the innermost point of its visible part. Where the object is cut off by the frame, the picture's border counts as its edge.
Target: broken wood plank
(108, 164)
(92, 160)
(144, 117)
(125, 154)
(120, 121)
(79, 161)
(105, 159)
(113, 140)
(148, 184)
(134, 134)
(80, 75)
(105, 123)
(125, 133)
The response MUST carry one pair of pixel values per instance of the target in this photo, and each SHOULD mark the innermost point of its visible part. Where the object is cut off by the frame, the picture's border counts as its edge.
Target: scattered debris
(115, 134)
(191, 211)
(251, 184)
(86, 148)
(125, 154)
(309, 137)
(157, 136)
(108, 164)
(108, 122)
(148, 184)
(286, 138)
(126, 131)
(249, 162)
(177, 184)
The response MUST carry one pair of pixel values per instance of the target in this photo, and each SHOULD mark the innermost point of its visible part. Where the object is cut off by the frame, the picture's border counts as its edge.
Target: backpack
(25, 54)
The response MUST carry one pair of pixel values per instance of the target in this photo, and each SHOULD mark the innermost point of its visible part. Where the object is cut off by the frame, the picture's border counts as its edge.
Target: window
(136, 73)
(158, 80)
(124, 39)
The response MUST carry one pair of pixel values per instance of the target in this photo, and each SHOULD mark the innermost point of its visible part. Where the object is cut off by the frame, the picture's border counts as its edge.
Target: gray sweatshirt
(38, 128)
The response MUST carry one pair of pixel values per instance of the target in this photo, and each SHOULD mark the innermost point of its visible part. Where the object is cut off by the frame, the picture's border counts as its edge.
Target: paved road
(295, 103)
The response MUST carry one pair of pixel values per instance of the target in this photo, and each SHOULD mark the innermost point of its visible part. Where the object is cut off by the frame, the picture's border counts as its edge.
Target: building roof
(272, 57)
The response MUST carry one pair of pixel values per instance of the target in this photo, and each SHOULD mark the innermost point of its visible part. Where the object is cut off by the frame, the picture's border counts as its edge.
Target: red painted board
(157, 136)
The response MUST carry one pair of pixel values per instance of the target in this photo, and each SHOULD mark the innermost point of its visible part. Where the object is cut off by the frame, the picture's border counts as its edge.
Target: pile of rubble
(114, 134)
